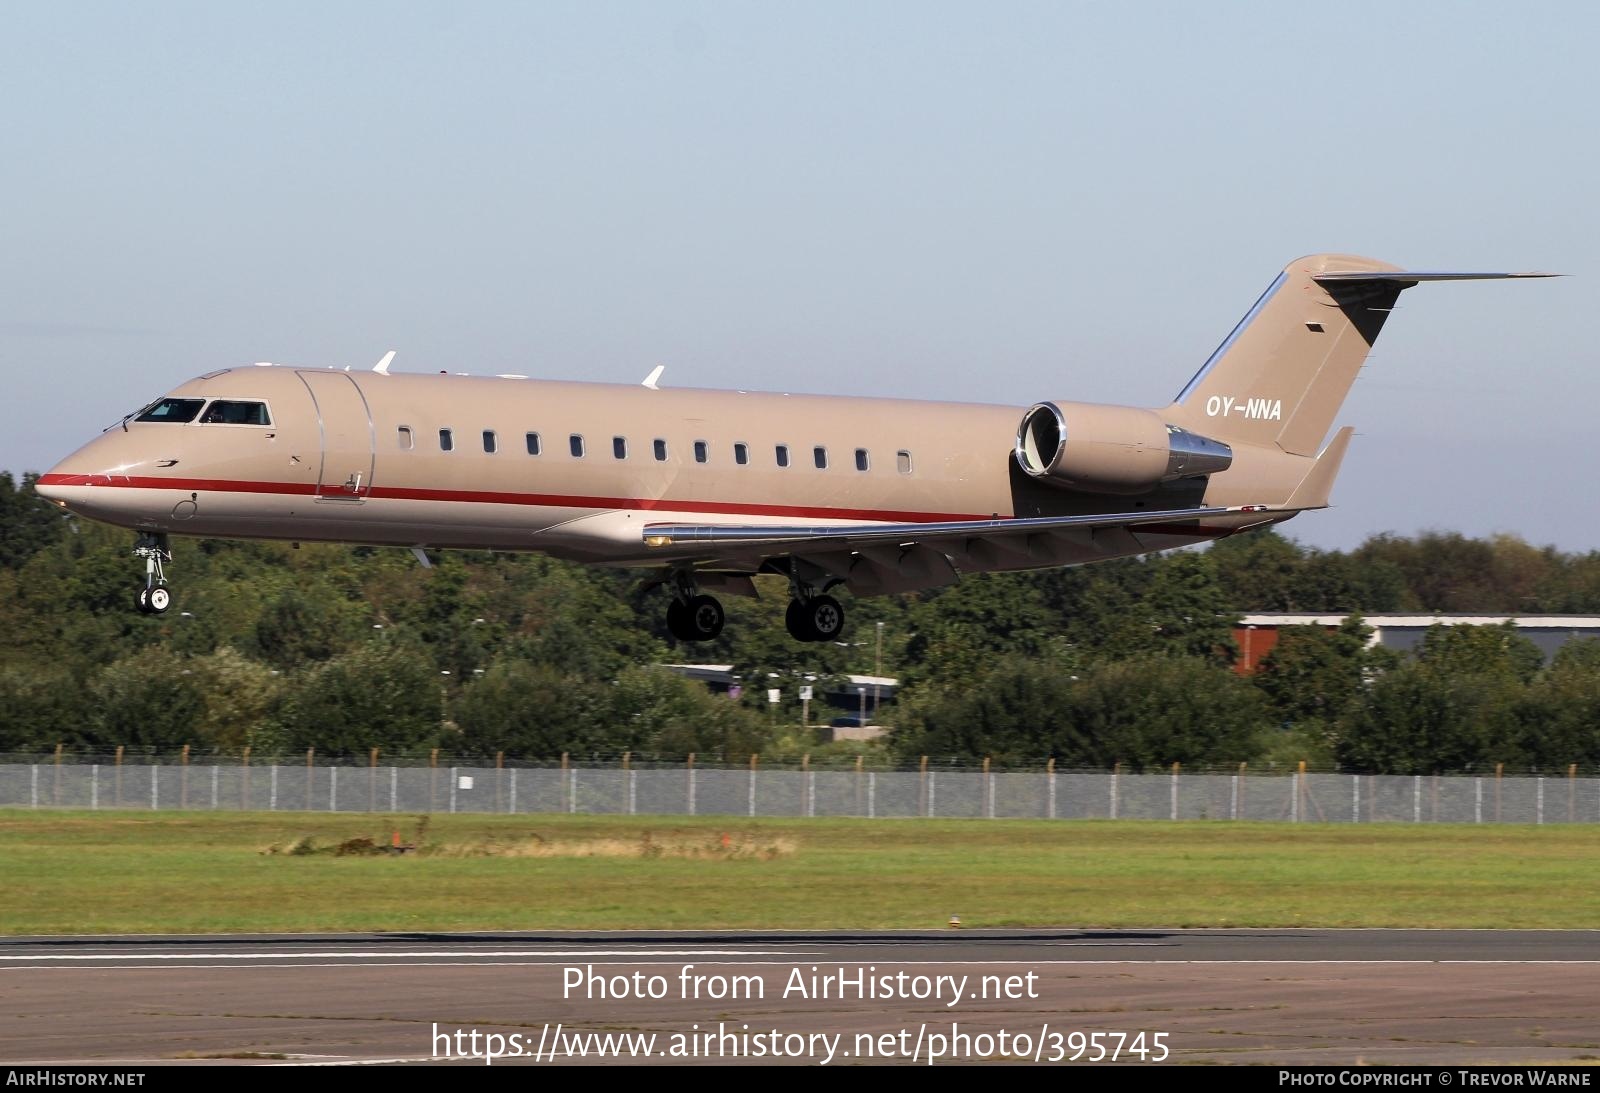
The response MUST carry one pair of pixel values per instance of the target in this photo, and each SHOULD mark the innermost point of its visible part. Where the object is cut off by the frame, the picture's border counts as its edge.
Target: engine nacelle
(1112, 449)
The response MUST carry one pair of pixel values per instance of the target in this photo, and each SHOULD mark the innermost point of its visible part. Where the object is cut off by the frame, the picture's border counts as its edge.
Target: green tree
(150, 699)
(383, 694)
(1313, 673)
(28, 523)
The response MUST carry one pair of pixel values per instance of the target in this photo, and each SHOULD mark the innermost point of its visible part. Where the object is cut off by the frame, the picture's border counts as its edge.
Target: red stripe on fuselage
(494, 497)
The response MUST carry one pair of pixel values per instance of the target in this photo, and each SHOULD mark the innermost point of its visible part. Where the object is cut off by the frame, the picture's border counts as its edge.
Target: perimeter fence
(689, 789)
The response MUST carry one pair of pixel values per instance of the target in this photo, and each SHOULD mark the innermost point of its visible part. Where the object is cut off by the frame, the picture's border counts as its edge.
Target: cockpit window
(224, 412)
(173, 409)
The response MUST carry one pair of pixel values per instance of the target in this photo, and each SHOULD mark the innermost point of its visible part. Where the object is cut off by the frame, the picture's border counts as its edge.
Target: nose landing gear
(154, 597)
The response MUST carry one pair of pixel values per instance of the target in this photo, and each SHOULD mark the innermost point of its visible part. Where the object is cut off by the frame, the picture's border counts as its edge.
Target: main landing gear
(815, 618)
(813, 615)
(154, 597)
(692, 615)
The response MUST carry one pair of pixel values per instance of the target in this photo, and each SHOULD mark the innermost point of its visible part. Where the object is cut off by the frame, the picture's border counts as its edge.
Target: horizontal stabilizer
(1412, 277)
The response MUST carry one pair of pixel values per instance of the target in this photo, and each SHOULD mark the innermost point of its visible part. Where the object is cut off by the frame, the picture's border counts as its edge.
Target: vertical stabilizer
(1281, 376)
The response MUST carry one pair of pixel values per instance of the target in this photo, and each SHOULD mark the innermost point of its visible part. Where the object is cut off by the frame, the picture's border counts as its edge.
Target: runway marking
(785, 963)
(308, 956)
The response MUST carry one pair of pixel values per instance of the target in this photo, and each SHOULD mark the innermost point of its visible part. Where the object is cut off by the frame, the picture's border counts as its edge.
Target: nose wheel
(154, 597)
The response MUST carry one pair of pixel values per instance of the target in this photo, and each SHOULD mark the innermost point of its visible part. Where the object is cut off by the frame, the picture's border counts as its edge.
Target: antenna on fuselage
(654, 377)
(382, 367)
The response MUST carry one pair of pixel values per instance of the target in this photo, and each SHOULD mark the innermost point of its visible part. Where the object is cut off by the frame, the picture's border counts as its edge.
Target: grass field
(100, 872)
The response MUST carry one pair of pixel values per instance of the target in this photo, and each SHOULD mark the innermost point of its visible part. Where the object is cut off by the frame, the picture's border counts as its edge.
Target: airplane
(710, 488)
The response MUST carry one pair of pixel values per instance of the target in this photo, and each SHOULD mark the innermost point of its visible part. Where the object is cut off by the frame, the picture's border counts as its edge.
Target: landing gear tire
(794, 620)
(144, 601)
(159, 600)
(700, 619)
(818, 619)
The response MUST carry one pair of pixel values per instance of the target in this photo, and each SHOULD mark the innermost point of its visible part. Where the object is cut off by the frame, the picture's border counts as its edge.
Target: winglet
(654, 377)
(1314, 488)
(382, 367)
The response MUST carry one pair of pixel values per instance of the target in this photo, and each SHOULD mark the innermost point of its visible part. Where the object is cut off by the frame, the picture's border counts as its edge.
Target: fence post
(433, 779)
(499, 777)
(33, 785)
(752, 804)
(333, 789)
(858, 785)
(691, 784)
(216, 785)
(394, 787)
(1355, 800)
(566, 785)
(272, 787)
(244, 781)
(1499, 769)
(309, 776)
(1244, 787)
(872, 794)
(1116, 772)
(453, 781)
(372, 782)
(94, 786)
(1050, 788)
(1175, 791)
(808, 799)
(1572, 793)
(627, 774)
(511, 805)
(55, 792)
(988, 791)
(183, 779)
(1416, 798)
(1477, 800)
(155, 798)
(1539, 801)
(922, 787)
(118, 800)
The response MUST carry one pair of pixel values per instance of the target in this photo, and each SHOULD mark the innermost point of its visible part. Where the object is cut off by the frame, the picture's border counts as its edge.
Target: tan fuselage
(359, 457)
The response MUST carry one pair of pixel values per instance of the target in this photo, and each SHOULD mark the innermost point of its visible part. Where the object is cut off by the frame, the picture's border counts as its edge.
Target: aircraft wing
(790, 536)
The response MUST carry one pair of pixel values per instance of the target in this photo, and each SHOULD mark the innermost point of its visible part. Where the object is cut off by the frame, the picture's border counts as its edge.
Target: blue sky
(1003, 203)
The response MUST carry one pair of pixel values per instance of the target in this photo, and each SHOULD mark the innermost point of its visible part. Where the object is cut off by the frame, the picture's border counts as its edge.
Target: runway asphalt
(1217, 995)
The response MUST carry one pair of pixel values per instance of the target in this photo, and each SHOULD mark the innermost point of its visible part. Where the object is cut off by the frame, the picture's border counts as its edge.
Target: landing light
(658, 540)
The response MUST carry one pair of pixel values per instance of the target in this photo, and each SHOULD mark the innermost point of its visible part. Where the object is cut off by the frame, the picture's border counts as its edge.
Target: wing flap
(857, 535)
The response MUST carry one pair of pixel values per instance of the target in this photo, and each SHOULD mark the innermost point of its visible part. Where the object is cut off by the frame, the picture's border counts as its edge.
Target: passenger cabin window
(863, 460)
(702, 451)
(575, 443)
(619, 447)
(447, 440)
(782, 455)
(661, 450)
(533, 443)
(225, 412)
(741, 453)
(904, 461)
(819, 456)
(489, 441)
(173, 409)
(405, 438)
